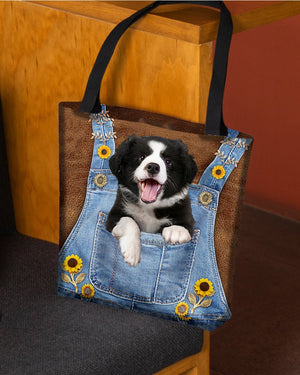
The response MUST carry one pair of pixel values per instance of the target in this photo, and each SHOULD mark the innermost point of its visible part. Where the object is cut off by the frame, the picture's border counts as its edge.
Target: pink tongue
(149, 193)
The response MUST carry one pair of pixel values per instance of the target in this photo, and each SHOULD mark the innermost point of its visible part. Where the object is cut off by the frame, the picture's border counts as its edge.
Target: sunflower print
(72, 264)
(181, 309)
(87, 291)
(203, 287)
(218, 172)
(104, 152)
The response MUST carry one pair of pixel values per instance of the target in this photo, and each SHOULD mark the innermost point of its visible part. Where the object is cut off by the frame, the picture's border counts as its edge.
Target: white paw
(176, 233)
(128, 234)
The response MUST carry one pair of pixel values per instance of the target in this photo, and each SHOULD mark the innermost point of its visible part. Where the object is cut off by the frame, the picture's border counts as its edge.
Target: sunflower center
(104, 152)
(87, 291)
(72, 262)
(218, 171)
(204, 286)
(181, 309)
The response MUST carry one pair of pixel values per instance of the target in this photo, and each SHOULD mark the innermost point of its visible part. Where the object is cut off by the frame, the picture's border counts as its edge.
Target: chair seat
(41, 333)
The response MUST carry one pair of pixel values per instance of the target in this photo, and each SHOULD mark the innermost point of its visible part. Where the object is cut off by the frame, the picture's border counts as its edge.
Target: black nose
(152, 168)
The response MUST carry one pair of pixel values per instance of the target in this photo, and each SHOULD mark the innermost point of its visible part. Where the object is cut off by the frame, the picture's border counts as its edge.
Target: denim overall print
(173, 281)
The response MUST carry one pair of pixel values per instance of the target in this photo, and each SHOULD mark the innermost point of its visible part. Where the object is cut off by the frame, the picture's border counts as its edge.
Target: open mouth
(149, 190)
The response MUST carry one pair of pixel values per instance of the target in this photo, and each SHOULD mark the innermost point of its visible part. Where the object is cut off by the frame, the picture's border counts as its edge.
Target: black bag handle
(214, 118)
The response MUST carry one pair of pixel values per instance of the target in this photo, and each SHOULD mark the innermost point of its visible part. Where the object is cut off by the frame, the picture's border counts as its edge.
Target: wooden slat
(183, 21)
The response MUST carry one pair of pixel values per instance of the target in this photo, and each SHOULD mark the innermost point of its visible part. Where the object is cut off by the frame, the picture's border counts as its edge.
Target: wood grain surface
(46, 58)
(162, 64)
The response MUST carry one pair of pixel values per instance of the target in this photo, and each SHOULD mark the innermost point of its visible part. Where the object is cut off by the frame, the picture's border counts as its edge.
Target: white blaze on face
(150, 186)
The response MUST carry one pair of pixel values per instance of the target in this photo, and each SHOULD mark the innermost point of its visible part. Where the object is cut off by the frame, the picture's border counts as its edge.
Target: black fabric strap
(214, 118)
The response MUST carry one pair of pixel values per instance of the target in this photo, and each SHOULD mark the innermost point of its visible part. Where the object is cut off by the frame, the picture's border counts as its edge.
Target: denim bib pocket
(161, 277)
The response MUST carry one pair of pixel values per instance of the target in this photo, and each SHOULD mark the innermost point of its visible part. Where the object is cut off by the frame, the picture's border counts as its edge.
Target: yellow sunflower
(181, 309)
(203, 287)
(88, 291)
(218, 172)
(72, 263)
(104, 152)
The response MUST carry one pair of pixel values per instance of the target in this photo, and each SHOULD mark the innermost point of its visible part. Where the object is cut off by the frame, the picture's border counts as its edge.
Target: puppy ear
(182, 146)
(191, 169)
(188, 161)
(115, 162)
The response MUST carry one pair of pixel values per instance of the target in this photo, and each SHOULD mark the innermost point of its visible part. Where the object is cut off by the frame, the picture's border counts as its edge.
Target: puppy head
(153, 168)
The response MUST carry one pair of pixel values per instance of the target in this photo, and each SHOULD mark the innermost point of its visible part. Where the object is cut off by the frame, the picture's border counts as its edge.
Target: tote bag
(189, 282)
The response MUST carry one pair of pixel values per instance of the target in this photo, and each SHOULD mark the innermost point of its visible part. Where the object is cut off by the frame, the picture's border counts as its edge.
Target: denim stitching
(139, 298)
(191, 267)
(232, 151)
(211, 246)
(99, 285)
(132, 305)
(115, 267)
(93, 255)
(187, 272)
(159, 271)
(212, 255)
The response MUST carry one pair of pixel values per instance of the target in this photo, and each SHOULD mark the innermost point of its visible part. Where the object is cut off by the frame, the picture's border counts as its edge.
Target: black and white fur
(154, 174)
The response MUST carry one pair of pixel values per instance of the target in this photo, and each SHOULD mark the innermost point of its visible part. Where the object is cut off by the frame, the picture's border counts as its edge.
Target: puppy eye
(142, 157)
(168, 162)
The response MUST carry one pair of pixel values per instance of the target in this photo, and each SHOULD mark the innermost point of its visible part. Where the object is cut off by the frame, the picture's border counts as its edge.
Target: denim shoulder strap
(103, 135)
(227, 158)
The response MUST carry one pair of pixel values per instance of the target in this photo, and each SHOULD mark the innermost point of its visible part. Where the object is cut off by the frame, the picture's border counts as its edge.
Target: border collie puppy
(154, 174)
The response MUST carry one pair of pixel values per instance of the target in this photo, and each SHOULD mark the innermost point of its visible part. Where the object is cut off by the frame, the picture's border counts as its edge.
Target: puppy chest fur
(146, 218)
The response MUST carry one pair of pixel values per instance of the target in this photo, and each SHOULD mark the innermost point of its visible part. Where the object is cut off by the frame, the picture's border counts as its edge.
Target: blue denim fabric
(165, 278)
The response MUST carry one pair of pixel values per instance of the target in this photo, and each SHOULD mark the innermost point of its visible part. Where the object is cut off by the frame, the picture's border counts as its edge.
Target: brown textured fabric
(76, 147)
